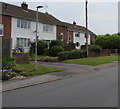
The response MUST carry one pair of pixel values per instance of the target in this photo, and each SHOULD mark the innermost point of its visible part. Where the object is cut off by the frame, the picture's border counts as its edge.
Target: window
(77, 44)
(23, 42)
(77, 34)
(1, 29)
(18, 22)
(47, 28)
(61, 36)
(23, 23)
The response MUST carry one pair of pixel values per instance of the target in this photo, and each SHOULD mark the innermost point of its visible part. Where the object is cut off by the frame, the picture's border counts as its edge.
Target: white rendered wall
(81, 39)
(17, 32)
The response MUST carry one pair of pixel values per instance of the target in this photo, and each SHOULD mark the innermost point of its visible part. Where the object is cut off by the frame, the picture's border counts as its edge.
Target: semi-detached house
(18, 27)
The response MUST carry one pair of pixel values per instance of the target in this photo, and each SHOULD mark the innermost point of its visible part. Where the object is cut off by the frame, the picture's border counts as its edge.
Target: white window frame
(2, 29)
(23, 23)
(47, 28)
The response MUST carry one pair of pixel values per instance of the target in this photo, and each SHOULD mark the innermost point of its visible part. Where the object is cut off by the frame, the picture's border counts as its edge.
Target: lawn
(40, 57)
(93, 61)
(28, 69)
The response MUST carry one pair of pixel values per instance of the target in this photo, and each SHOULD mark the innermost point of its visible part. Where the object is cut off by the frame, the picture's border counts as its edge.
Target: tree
(108, 41)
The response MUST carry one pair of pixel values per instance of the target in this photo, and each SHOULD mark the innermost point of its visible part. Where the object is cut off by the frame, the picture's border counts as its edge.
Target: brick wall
(92, 38)
(103, 53)
(6, 21)
(62, 29)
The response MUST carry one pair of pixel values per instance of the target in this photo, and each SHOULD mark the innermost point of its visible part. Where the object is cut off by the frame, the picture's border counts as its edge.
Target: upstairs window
(77, 34)
(1, 29)
(23, 23)
(47, 28)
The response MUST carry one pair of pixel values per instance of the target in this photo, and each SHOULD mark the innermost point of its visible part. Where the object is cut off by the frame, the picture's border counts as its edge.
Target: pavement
(70, 70)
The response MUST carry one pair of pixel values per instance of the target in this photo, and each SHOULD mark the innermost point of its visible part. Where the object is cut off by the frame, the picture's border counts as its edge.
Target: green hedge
(75, 54)
(95, 48)
(55, 50)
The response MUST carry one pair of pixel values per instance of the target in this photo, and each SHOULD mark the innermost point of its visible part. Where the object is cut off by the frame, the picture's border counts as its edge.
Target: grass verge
(93, 61)
(28, 69)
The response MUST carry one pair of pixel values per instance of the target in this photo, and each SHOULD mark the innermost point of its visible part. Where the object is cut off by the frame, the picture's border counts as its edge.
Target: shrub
(83, 47)
(108, 41)
(95, 48)
(68, 46)
(55, 50)
(41, 46)
(75, 54)
(8, 63)
(56, 43)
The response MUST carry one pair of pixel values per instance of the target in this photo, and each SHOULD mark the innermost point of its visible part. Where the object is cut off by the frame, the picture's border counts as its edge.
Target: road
(96, 89)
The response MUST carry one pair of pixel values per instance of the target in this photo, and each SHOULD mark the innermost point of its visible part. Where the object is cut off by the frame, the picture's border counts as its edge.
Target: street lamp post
(36, 36)
(86, 26)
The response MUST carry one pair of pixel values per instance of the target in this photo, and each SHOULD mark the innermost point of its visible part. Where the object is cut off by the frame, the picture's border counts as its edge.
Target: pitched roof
(16, 11)
(77, 28)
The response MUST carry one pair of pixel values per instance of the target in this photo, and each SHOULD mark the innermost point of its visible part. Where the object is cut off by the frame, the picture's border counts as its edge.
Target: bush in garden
(41, 46)
(55, 50)
(108, 41)
(8, 63)
(7, 74)
(75, 54)
(95, 48)
(68, 46)
(8, 68)
(56, 43)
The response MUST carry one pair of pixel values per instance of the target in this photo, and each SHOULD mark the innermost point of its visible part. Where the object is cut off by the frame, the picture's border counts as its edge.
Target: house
(18, 28)
(74, 33)
(20, 25)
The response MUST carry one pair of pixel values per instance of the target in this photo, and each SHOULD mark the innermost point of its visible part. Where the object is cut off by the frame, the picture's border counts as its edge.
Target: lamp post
(86, 26)
(36, 37)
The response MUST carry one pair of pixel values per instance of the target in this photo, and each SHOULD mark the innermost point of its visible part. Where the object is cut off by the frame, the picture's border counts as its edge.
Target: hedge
(55, 50)
(75, 54)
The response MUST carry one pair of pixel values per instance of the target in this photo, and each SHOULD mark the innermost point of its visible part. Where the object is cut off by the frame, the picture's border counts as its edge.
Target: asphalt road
(97, 89)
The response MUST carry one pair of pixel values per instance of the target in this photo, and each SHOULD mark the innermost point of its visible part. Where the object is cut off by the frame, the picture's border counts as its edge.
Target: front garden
(10, 69)
(59, 51)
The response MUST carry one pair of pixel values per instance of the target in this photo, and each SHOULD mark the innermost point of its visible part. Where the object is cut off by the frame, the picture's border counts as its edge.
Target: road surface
(97, 89)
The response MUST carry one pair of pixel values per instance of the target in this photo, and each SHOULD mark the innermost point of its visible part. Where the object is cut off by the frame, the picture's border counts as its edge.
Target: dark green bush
(95, 48)
(68, 46)
(55, 50)
(108, 41)
(83, 47)
(8, 63)
(41, 46)
(56, 43)
(75, 54)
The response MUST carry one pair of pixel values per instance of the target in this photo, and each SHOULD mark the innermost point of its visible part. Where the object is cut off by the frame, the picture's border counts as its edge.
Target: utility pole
(86, 26)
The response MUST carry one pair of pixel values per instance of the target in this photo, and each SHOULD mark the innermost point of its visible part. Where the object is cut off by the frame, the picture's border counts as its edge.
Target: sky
(102, 14)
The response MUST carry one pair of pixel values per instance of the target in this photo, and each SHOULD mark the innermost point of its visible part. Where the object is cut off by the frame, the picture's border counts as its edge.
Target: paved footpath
(70, 70)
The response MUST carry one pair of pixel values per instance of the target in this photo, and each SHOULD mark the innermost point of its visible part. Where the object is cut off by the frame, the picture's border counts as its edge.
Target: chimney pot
(74, 23)
(24, 6)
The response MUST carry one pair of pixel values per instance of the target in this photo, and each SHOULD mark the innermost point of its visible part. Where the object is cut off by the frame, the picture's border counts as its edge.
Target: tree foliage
(108, 41)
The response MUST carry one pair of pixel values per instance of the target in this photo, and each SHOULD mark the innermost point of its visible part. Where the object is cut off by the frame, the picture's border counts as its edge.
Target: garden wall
(102, 53)
(21, 58)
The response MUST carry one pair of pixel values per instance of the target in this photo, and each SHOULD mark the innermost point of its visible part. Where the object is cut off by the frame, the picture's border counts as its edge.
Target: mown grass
(40, 57)
(93, 61)
(28, 69)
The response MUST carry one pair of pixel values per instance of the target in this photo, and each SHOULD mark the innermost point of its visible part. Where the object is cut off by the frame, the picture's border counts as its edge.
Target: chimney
(74, 23)
(24, 6)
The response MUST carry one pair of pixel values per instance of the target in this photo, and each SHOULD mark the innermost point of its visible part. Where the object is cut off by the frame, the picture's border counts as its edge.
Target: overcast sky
(102, 15)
